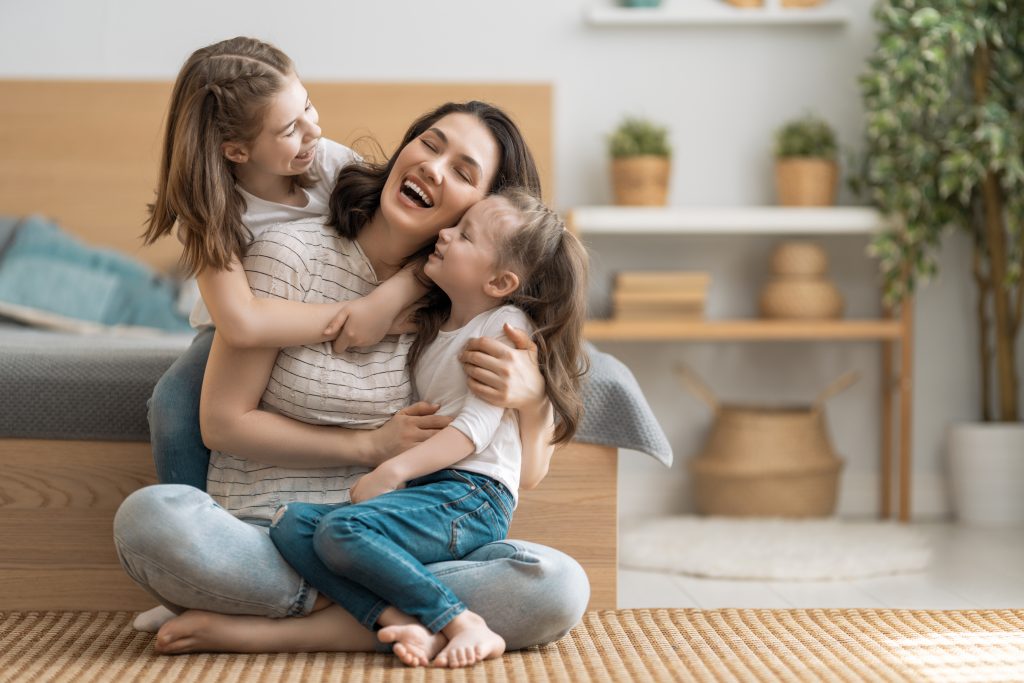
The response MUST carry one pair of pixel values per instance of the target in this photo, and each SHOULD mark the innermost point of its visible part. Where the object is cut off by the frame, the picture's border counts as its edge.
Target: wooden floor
(972, 568)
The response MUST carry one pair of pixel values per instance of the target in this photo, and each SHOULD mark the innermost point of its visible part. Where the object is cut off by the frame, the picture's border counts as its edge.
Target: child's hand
(376, 483)
(357, 324)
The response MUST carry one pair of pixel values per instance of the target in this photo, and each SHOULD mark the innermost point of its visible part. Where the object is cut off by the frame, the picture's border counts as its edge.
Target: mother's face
(439, 175)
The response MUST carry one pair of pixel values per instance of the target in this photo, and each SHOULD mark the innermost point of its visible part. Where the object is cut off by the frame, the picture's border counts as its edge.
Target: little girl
(509, 260)
(243, 152)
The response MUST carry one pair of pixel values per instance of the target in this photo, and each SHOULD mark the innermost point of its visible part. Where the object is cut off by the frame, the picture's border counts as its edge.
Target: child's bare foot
(414, 644)
(469, 641)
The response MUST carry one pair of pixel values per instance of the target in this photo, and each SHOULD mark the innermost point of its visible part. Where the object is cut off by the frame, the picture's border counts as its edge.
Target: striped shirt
(362, 388)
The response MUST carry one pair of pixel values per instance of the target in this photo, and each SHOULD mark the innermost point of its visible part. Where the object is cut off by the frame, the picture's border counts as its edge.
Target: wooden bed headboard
(86, 152)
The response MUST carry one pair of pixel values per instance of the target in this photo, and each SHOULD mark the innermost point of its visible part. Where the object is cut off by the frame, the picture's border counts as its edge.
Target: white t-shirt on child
(439, 378)
(260, 214)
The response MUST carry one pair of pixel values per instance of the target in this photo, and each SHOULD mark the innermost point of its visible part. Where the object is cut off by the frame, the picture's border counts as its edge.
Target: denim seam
(446, 617)
(124, 547)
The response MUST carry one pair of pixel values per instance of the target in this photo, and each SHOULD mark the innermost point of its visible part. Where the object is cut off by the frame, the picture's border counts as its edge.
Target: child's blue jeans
(371, 555)
(180, 455)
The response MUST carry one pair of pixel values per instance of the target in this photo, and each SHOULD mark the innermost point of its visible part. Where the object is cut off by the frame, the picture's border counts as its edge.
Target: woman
(189, 552)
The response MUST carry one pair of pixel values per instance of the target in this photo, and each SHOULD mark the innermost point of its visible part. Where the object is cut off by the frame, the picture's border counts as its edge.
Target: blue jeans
(179, 452)
(368, 556)
(190, 553)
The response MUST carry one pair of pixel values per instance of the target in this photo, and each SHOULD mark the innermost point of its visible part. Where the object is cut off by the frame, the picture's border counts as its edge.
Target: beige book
(659, 298)
(648, 280)
(658, 315)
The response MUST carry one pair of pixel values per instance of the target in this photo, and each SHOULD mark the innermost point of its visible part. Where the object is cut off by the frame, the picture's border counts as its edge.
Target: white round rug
(774, 549)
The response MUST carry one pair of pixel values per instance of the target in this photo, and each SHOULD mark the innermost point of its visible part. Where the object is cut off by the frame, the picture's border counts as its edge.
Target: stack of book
(660, 295)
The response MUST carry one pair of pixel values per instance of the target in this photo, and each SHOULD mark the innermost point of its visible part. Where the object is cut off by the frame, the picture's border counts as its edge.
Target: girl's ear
(235, 152)
(501, 285)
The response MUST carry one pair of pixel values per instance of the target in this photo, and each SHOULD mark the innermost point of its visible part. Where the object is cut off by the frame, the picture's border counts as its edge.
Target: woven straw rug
(622, 645)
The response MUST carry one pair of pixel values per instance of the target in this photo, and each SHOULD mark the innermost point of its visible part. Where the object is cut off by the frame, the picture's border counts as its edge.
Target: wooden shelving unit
(889, 331)
(742, 330)
(716, 13)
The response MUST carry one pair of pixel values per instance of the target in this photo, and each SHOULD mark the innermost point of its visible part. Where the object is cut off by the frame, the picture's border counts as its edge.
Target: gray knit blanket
(56, 385)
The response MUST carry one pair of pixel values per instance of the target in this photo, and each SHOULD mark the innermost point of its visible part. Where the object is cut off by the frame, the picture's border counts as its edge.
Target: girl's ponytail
(552, 266)
(220, 95)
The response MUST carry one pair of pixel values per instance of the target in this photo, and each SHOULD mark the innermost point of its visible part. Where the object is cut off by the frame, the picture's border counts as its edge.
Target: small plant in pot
(805, 163)
(641, 160)
(945, 151)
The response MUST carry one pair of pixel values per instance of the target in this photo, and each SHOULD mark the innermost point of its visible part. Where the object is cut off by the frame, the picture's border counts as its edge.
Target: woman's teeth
(413, 189)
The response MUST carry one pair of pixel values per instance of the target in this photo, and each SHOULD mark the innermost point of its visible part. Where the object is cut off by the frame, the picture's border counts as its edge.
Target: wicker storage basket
(766, 461)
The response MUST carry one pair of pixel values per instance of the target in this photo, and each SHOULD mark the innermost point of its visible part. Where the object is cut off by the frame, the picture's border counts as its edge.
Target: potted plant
(945, 151)
(640, 163)
(805, 163)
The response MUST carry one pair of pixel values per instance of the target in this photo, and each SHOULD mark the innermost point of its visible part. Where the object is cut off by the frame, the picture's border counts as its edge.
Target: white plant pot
(986, 467)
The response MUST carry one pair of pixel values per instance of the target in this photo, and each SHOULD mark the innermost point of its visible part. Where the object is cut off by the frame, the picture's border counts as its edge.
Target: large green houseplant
(944, 100)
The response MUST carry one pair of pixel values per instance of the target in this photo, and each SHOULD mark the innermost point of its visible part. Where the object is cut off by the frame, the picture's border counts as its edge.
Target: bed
(85, 154)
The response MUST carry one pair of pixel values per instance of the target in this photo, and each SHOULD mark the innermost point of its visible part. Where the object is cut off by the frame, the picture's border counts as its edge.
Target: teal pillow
(45, 268)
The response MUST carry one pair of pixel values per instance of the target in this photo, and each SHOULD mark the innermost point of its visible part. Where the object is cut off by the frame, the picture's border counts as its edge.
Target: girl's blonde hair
(552, 267)
(221, 95)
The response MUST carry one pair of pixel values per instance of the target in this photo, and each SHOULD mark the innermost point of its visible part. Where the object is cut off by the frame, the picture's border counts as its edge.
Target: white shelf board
(749, 220)
(712, 12)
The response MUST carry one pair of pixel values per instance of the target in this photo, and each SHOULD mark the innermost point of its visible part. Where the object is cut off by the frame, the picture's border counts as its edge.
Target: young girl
(509, 260)
(243, 152)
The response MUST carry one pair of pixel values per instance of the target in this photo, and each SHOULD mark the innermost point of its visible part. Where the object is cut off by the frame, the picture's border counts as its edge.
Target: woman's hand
(408, 427)
(376, 483)
(503, 376)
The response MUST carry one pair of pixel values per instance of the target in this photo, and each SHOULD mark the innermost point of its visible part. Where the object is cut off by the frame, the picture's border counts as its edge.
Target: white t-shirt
(494, 431)
(260, 214)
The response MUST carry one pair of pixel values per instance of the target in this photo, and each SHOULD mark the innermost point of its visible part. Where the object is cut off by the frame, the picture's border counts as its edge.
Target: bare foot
(414, 644)
(469, 641)
(197, 631)
(327, 630)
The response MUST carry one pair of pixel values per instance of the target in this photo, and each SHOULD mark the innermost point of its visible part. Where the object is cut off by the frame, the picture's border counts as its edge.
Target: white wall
(723, 90)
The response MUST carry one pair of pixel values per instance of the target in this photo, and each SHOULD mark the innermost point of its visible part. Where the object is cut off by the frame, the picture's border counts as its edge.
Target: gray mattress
(66, 386)
(56, 385)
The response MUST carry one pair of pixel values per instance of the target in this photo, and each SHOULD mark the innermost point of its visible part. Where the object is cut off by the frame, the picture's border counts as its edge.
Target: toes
(389, 634)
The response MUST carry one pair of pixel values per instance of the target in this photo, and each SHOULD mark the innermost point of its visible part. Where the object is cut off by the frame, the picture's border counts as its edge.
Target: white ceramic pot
(986, 468)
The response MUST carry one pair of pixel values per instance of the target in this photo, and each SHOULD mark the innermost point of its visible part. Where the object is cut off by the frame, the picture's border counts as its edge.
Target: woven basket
(800, 258)
(803, 181)
(641, 181)
(801, 298)
(810, 491)
(766, 461)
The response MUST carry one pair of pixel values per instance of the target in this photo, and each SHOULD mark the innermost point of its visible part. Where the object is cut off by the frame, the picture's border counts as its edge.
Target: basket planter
(641, 180)
(766, 461)
(805, 181)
